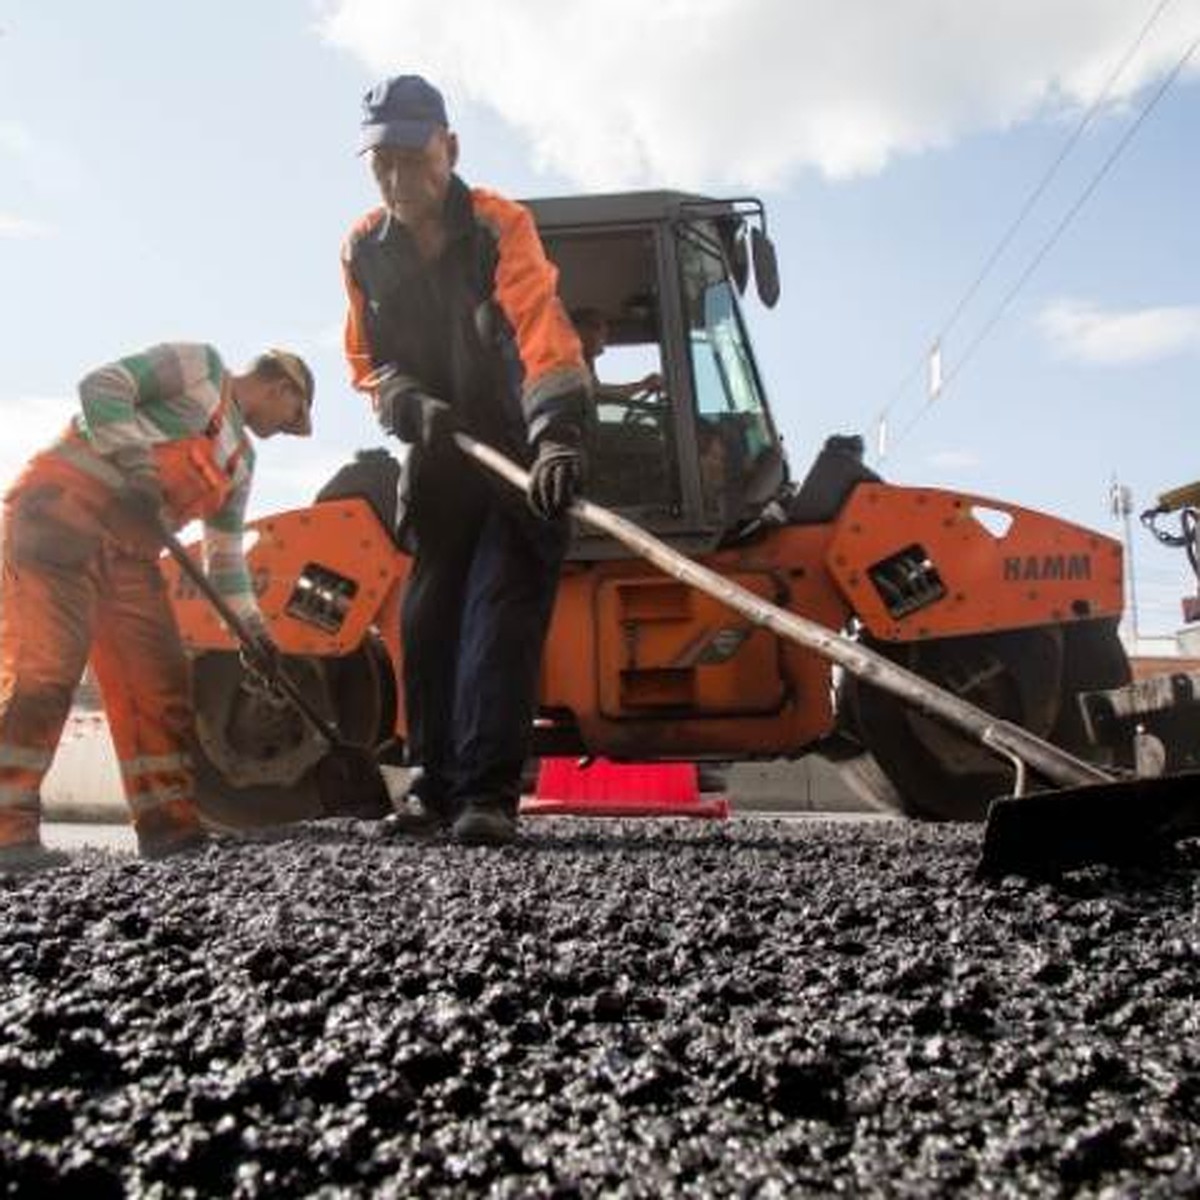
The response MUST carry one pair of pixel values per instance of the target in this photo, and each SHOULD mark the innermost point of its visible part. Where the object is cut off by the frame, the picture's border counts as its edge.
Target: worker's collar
(457, 212)
(460, 214)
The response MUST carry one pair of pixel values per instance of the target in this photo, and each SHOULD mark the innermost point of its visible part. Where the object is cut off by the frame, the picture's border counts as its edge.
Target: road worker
(161, 439)
(452, 298)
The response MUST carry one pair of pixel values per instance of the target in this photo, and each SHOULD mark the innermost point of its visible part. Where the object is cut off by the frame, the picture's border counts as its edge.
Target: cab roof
(616, 208)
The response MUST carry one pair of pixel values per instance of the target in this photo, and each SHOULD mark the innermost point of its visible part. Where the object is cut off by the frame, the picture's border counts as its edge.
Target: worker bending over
(162, 437)
(452, 296)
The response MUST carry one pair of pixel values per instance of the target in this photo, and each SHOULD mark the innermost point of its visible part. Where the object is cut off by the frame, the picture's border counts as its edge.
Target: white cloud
(1089, 334)
(31, 423)
(704, 92)
(21, 227)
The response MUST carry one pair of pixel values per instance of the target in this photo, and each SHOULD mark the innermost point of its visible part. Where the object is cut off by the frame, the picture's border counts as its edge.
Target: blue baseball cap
(402, 111)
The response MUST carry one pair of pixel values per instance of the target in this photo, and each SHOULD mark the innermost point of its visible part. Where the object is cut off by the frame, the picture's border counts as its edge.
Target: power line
(1030, 202)
(1044, 182)
(1058, 230)
(1069, 216)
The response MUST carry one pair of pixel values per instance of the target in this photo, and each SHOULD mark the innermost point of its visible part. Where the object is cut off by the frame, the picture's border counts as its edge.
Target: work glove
(412, 415)
(142, 492)
(260, 654)
(557, 472)
(144, 495)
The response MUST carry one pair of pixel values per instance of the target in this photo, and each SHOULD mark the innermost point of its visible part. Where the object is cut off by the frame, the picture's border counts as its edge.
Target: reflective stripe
(156, 797)
(561, 381)
(11, 797)
(26, 757)
(150, 764)
(89, 463)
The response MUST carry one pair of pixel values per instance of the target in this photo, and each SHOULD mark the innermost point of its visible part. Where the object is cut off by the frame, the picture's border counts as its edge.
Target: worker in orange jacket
(161, 438)
(454, 322)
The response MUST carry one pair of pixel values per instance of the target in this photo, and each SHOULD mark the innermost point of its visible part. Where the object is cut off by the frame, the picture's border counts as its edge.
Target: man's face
(413, 183)
(593, 337)
(282, 409)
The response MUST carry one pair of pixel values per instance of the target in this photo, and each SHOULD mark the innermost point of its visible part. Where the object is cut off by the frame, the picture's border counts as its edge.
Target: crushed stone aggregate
(752, 1008)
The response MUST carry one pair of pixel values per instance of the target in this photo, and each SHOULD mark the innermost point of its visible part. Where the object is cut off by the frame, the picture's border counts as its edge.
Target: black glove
(557, 473)
(260, 654)
(143, 490)
(412, 415)
(144, 494)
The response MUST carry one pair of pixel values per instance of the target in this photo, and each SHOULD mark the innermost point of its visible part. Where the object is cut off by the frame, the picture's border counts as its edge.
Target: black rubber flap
(1115, 823)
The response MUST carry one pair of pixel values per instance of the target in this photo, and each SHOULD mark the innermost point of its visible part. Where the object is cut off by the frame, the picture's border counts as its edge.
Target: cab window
(733, 431)
(611, 278)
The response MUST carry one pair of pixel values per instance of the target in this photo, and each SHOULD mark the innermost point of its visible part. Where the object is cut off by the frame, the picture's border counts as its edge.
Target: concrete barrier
(84, 782)
(811, 784)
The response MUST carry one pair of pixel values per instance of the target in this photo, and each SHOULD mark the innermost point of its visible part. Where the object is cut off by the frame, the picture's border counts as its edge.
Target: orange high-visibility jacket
(482, 327)
(172, 404)
(78, 579)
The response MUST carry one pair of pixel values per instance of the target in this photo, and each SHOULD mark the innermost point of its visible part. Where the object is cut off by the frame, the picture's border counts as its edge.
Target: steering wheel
(647, 403)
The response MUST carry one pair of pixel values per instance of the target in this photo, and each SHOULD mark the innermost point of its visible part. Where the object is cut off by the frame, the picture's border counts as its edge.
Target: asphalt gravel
(752, 1008)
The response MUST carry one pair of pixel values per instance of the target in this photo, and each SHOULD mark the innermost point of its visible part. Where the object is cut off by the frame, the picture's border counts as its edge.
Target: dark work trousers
(475, 613)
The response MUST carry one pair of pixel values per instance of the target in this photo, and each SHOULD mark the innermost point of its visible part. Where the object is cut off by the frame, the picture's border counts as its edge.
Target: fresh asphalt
(656, 1008)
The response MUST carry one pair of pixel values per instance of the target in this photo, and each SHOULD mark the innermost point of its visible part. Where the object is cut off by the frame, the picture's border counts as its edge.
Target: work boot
(27, 858)
(169, 829)
(485, 822)
(423, 812)
(413, 822)
(417, 818)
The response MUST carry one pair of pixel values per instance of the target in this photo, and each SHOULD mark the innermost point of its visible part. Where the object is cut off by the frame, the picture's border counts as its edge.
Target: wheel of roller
(939, 773)
(258, 761)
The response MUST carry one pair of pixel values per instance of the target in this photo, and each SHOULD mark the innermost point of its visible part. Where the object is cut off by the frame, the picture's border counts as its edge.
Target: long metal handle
(245, 637)
(1002, 738)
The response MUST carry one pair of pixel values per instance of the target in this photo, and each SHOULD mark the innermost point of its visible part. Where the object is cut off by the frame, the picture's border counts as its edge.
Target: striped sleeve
(224, 547)
(168, 392)
(108, 396)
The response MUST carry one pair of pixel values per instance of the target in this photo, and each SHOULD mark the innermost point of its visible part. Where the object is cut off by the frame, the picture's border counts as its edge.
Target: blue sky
(188, 171)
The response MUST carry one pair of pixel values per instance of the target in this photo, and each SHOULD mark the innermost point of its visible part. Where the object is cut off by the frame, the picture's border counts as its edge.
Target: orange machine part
(1000, 566)
(655, 670)
(664, 645)
(322, 575)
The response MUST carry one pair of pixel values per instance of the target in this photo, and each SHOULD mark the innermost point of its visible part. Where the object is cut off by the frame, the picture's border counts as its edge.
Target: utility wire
(1058, 231)
(1044, 182)
(1030, 202)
